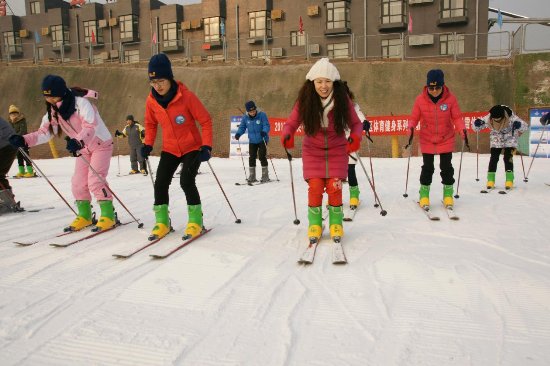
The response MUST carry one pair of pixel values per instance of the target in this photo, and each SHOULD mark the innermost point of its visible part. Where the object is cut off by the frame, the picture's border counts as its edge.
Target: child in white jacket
(505, 128)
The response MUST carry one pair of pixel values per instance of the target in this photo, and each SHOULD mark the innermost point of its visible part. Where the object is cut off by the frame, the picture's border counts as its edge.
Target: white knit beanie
(323, 69)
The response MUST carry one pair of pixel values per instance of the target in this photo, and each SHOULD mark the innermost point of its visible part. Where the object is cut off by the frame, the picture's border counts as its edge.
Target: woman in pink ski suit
(69, 111)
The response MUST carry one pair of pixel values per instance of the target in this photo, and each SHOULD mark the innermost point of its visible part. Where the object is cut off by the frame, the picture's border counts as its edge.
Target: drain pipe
(477, 30)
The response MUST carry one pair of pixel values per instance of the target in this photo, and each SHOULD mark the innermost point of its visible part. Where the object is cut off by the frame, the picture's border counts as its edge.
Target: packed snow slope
(414, 292)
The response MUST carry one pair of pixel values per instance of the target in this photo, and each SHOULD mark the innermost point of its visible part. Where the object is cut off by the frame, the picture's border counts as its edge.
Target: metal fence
(400, 46)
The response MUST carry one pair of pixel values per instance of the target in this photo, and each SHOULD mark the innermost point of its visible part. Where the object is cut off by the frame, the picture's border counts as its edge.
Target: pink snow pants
(84, 179)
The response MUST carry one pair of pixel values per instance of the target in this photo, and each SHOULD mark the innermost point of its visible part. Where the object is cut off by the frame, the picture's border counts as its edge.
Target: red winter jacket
(324, 155)
(438, 122)
(180, 133)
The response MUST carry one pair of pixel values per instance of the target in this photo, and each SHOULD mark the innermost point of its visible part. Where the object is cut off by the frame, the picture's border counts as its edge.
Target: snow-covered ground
(415, 292)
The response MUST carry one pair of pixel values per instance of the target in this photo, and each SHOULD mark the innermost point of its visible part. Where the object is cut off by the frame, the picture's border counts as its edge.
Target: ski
(89, 236)
(488, 190)
(548, 184)
(427, 213)
(125, 256)
(338, 256)
(505, 191)
(451, 213)
(309, 254)
(182, 245)
(351, 214)
(243, 184)
(28, 243)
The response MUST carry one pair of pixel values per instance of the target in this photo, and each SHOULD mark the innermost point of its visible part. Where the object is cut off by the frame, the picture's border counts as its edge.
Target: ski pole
(242, 159)
(477, 157)
(271, 160)
(535, 153)
(371, 169)
(289, 157)
(150, 172)
(118, 154)
(522, 166)
(459, 170)
(237, 221)
(376, 198)
(409, 144)
(140, 224)
(45, 177)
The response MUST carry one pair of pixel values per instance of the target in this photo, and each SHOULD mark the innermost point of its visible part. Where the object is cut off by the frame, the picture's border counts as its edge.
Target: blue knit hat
(250, 105)
(54, 86)
(160, 67)
(435, 77)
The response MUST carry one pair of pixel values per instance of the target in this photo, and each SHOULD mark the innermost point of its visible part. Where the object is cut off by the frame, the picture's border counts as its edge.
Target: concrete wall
(381, 88)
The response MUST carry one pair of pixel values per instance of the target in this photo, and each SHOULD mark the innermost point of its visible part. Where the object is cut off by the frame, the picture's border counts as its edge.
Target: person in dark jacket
(19, 124)
(7, 156)
(135, 133)
(257, 124)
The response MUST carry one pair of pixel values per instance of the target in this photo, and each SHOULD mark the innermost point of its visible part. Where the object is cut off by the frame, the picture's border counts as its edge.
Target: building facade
(127, 31)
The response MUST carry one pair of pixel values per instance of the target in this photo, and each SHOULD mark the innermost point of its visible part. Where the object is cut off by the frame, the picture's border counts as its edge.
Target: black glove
(410, 138)
(544, 120)
(366, 126)
(516, 125)
(146, 151)
(73, 145)
(465, 137)
(263, 134)
(237, 136)
(118, 133)
(479, 122)
(204, 153)
(17, 141)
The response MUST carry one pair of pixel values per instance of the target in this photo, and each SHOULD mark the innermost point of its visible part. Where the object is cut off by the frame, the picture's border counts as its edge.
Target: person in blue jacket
(256, 123)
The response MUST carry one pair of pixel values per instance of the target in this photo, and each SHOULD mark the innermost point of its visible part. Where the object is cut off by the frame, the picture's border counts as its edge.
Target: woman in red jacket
(176, 109)
(437, 110)
(326, 111)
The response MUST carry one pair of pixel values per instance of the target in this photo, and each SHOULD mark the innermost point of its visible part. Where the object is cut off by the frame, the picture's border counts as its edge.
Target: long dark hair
(310, 108)
(68, 106)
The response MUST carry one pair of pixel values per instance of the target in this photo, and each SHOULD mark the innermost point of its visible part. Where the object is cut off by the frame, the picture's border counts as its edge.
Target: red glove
(288, 141)
(354, 142)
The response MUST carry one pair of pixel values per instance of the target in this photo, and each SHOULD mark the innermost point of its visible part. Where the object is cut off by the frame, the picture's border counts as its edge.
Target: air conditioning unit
(277, 52)
(196, 23)
(45, 31)
(313, 10)
(314, 49)
(23, 33)
(113, 22)
(277, 14)
(102, 23)
(186, 25)
(421, 40)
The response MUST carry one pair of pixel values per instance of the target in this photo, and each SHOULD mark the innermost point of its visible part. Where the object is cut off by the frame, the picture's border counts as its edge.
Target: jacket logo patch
(444, 107)
(257, 121)
(180, 119)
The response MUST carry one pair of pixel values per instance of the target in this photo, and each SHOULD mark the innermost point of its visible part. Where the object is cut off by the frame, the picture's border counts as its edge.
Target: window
(35, 7)
(261, 53)
(447, 44)
(60, 35)
(391, 48)
(212, 30)
(297, 39)
(338, 50)
(39, 53)
(128, 27)
(89, 27)
(453, 8)
(260, 24)
(338, 15)
(131, 56)
(170, 32)
(12, 43)
(393, 11)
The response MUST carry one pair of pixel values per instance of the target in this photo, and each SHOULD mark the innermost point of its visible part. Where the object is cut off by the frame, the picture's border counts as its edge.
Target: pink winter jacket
(438, 122)
(324, 155)
(84, 125)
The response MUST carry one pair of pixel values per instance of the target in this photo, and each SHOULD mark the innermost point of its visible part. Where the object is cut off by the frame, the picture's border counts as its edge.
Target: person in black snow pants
(135, 133)
(257, 124)
(7, 156)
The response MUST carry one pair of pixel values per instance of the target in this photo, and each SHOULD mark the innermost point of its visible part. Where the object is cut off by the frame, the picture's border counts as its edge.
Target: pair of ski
(72, 242)
(183, 244)
(489, 190)
(449, 210)
(251, 184)
(338, 256)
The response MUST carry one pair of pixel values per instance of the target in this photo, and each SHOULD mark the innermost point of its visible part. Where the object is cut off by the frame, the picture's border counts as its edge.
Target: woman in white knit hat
(325, 111)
